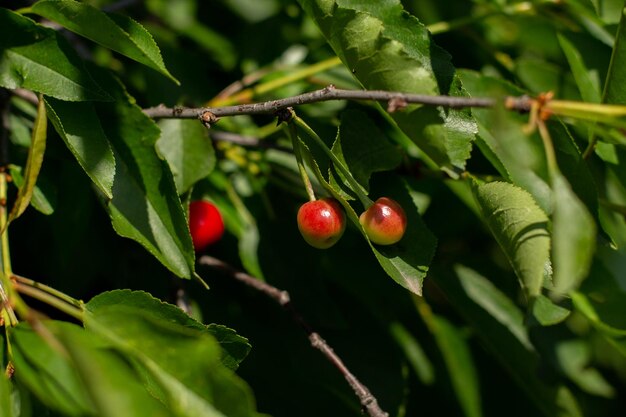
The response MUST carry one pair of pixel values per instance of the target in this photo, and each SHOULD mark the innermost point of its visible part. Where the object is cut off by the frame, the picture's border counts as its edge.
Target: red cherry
(321, 222)
(205, 224)
(384, 222)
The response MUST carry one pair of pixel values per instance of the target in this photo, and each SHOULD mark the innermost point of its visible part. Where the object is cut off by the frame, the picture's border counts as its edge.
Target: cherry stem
(51, 300)
(297, 150)
(52, 291)
(356, 187)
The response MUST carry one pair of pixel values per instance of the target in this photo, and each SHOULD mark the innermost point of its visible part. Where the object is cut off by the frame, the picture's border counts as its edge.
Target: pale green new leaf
(573, 237)
(388, 49)
(33, 163)
(40, 59)
(520, 227)
(117, 32)
(40, 201)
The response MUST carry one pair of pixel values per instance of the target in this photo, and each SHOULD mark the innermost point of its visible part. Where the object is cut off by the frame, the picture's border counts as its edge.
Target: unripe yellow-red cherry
(321, 222)
(384, 222)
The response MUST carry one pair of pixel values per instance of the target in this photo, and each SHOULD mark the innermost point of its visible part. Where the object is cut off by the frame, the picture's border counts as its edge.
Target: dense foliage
(505, 295)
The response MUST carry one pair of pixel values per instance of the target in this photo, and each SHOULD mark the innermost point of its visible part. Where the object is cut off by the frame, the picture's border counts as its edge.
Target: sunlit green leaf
(388, 49)
(118, 32)
(81, 129)
(573, 237)
(33, 163)
(39, 59)
(235, 348)
(145, 205)
(41, 201)
(183, 361)
(48, 373)
(520, 227)
(186, 146)
(548, 313)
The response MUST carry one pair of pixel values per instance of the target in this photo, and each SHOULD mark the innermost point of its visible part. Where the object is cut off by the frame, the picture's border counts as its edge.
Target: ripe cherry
(384, 222)
(321, 222)
(205, 224)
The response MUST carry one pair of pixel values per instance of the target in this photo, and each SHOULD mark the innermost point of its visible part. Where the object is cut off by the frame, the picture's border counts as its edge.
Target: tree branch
(367, 400)
(395, 100)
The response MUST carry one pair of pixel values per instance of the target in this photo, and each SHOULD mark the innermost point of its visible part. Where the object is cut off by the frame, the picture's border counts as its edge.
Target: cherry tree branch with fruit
(440, 226)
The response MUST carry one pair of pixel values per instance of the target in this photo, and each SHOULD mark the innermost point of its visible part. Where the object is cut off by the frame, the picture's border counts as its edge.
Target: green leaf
(81, 129)
(520, 227)
(33, 163)
(504, 336)
(388, 49)
(186, 146)
(181, 16)
(117, 32)
(414, 353)
(48, 373)
(601, 300)
(406, 262)
(41, 201)
(482, 292)
(573, 237)
(235, 348)
(39, 59)
(588, 81)
(574, 357)
(187, 375)
(615, 84)
(6, 387)
(145, 206)
(363, 148)
(518, 158)
(548, 313)
(106, 375)
(460, 364)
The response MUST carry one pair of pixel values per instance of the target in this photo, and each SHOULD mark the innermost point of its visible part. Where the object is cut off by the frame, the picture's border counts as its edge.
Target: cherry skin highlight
(384, 222)
(205, 224)
(321, 222)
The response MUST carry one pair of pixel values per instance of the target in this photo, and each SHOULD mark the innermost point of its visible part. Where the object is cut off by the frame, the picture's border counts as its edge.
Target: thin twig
(327, 94)
(368, 401)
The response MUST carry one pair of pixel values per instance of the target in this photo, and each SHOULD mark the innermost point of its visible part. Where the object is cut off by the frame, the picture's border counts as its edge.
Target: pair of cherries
(322, 222)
